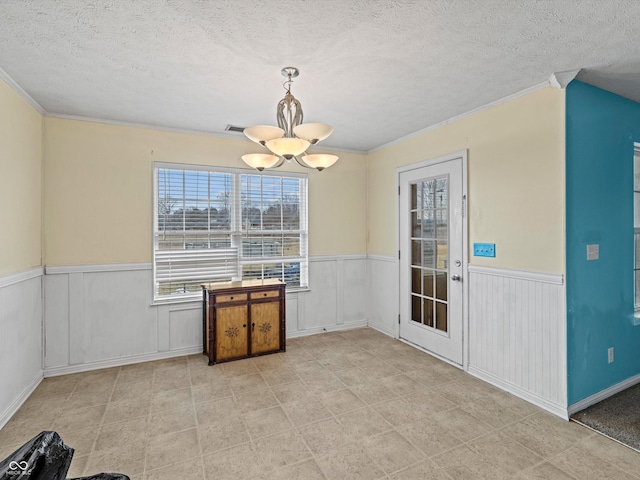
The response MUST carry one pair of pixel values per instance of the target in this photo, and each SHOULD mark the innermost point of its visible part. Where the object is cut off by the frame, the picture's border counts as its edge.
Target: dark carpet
(617, 417)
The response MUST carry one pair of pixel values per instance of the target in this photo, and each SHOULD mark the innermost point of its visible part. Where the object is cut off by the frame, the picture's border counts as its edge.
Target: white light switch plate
(593, 251)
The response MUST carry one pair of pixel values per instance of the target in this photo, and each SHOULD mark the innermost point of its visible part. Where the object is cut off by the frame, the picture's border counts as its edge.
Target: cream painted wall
(516, 181)
(20, 183)
(98, 191)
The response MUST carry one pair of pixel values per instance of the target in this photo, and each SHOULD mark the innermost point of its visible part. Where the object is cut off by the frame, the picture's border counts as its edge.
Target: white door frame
(465, 247)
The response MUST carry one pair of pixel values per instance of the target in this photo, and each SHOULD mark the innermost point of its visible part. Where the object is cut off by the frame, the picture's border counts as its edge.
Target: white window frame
(236, 232)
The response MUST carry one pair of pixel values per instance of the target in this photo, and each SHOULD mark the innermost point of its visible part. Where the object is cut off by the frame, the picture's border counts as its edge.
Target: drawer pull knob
(244, 325)
(230, 298)
(253, 325)
(265, 294)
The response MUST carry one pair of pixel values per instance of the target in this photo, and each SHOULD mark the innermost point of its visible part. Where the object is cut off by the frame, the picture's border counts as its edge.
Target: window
(215, 224)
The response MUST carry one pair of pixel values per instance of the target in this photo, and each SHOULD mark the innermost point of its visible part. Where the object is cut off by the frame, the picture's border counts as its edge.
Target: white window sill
(173, 301)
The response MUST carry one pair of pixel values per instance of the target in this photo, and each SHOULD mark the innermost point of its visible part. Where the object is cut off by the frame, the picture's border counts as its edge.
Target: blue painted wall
(600, 130)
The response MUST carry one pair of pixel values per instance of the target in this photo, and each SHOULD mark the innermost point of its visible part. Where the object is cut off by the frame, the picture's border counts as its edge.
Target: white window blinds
(222, 224)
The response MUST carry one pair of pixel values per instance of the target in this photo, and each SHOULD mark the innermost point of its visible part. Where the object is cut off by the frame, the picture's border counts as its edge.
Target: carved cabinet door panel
(265, 327)
(231, 332)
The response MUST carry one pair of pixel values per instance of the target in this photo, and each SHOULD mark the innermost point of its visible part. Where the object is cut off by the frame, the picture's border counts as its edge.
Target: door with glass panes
(431, 257)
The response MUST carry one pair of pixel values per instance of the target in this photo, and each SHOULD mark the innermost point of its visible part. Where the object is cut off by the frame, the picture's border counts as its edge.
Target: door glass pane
(427, 283)
(442, 193)
(416, 308)
(428, 313)
(442, 224)
(441, 286)
(416, 252)
(428, 224)
(442, 255)
(415, 196)
(429, 254)
(416, 281)
(416, 224)
(441, 316)
(428, 192)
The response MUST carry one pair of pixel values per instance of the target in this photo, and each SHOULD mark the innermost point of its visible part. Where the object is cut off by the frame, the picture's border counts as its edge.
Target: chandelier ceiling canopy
(291, 138)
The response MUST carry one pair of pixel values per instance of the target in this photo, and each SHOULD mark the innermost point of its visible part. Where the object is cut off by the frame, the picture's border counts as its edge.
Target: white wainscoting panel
(382, 294)
(185, 328)
(20, 339)
(517, 334)
(100, 316)
(336, 299)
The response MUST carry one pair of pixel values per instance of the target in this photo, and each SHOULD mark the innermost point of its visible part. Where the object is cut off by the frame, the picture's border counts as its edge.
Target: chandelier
(291, 138)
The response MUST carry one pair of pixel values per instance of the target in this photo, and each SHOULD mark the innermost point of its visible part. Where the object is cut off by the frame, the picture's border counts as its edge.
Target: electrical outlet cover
(484, 250)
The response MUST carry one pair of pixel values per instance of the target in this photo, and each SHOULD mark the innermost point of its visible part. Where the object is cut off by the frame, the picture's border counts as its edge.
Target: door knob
(456, 278)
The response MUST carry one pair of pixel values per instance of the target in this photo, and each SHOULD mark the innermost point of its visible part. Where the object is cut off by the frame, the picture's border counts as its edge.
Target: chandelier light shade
(320, 161)
(291, 138)
(313, 132)
(288, 147)
(260, 161)
(263, 133)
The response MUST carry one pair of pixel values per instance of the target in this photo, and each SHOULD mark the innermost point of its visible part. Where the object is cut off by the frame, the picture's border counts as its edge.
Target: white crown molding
(21, 92)
(560, 80)
(111, 267)
(147, 126)
(553, 278)
(21, 276)
(495, 103)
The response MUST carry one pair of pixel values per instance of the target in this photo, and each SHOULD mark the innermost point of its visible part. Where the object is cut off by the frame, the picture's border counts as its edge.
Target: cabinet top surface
(242, 284)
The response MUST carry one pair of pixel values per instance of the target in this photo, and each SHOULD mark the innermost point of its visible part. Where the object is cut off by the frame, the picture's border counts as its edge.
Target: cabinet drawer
(269, 294)
(236, 297)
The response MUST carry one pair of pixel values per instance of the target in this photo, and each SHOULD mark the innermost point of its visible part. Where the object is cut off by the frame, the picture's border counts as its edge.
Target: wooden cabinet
(243, 319)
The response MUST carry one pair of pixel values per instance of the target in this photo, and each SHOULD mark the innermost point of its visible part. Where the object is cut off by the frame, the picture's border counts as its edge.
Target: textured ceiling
(375, 70)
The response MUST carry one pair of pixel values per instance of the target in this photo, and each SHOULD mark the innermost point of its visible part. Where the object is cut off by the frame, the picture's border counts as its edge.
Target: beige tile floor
(344, 405)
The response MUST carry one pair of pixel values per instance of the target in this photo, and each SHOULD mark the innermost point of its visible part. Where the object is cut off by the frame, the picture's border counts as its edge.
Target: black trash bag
(44, 457)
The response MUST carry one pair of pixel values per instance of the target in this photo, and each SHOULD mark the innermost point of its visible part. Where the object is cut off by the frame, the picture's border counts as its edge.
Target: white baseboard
(330, 328)
(382, 329)
(433, 354)
(603, 394)
(117, 362)
(558, 410)
(17, 403)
